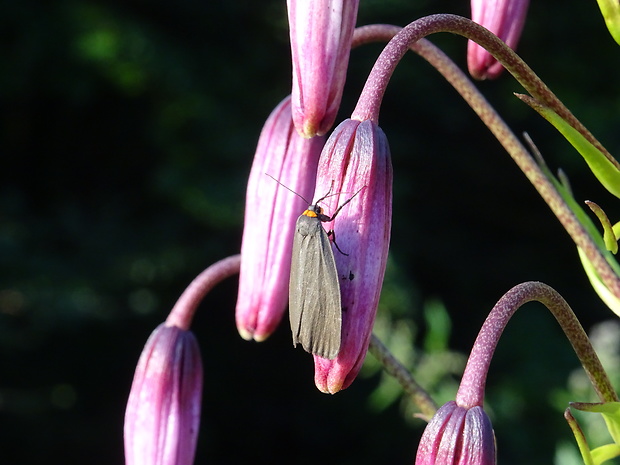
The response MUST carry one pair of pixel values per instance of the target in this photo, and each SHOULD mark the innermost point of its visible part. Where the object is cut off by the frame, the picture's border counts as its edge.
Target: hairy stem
(471, 389)
(494, 122)
(372, 94)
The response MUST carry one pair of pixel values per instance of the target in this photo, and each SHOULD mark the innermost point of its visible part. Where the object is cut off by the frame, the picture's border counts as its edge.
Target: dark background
(127, 134)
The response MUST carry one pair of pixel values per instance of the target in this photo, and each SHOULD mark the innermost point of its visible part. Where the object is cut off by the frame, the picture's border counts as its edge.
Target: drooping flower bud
(355, 157)
(457, 436)
(321, 32)
(163, 411)
(269, 224)
(505, 19)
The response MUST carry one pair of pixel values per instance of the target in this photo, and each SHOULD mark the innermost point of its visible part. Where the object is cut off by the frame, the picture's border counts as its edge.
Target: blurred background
(127, 131)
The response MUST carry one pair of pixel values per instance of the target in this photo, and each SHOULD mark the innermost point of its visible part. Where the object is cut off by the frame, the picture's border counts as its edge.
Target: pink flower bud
(270, 215)
(163, 411)
(505, 19)
(355, 157)
(321, 34)
(457, 436)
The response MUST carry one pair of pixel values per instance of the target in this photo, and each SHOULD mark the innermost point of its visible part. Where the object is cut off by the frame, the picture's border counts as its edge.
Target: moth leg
(332, 235)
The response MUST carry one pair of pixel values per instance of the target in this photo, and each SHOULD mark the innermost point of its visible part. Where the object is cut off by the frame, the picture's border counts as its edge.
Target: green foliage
(593, 432)
(611, 13)
(435, 366)
(602, 165)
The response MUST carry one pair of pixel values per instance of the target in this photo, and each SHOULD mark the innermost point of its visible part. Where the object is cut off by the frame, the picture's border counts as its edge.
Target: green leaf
(597, 284)
(610, 412)
(611, 13)
(605, 170)
(603, 453)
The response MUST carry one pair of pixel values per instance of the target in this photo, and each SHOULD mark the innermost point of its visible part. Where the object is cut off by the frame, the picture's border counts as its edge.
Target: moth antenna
(288, 189)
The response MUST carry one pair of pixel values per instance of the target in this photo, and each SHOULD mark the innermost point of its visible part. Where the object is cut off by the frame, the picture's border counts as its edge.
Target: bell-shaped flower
(321, 32)
(270, 214)
(505, 19)
(163, 411)
(457, 436)
(355, 159)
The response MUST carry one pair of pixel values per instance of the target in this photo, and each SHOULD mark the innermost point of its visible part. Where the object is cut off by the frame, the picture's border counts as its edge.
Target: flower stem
(372, 94)
(394, 368)
(489, 116)
(471, 389)
(183, 311)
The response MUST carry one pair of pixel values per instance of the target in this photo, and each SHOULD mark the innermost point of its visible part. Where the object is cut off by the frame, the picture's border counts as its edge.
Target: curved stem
(372, 94)
(394, 368)
(509, 141)
(183, 311)
(471, 389)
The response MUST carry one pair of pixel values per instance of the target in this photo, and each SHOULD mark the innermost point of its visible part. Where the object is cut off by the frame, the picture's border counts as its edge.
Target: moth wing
(314, 293)
(296, 284)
